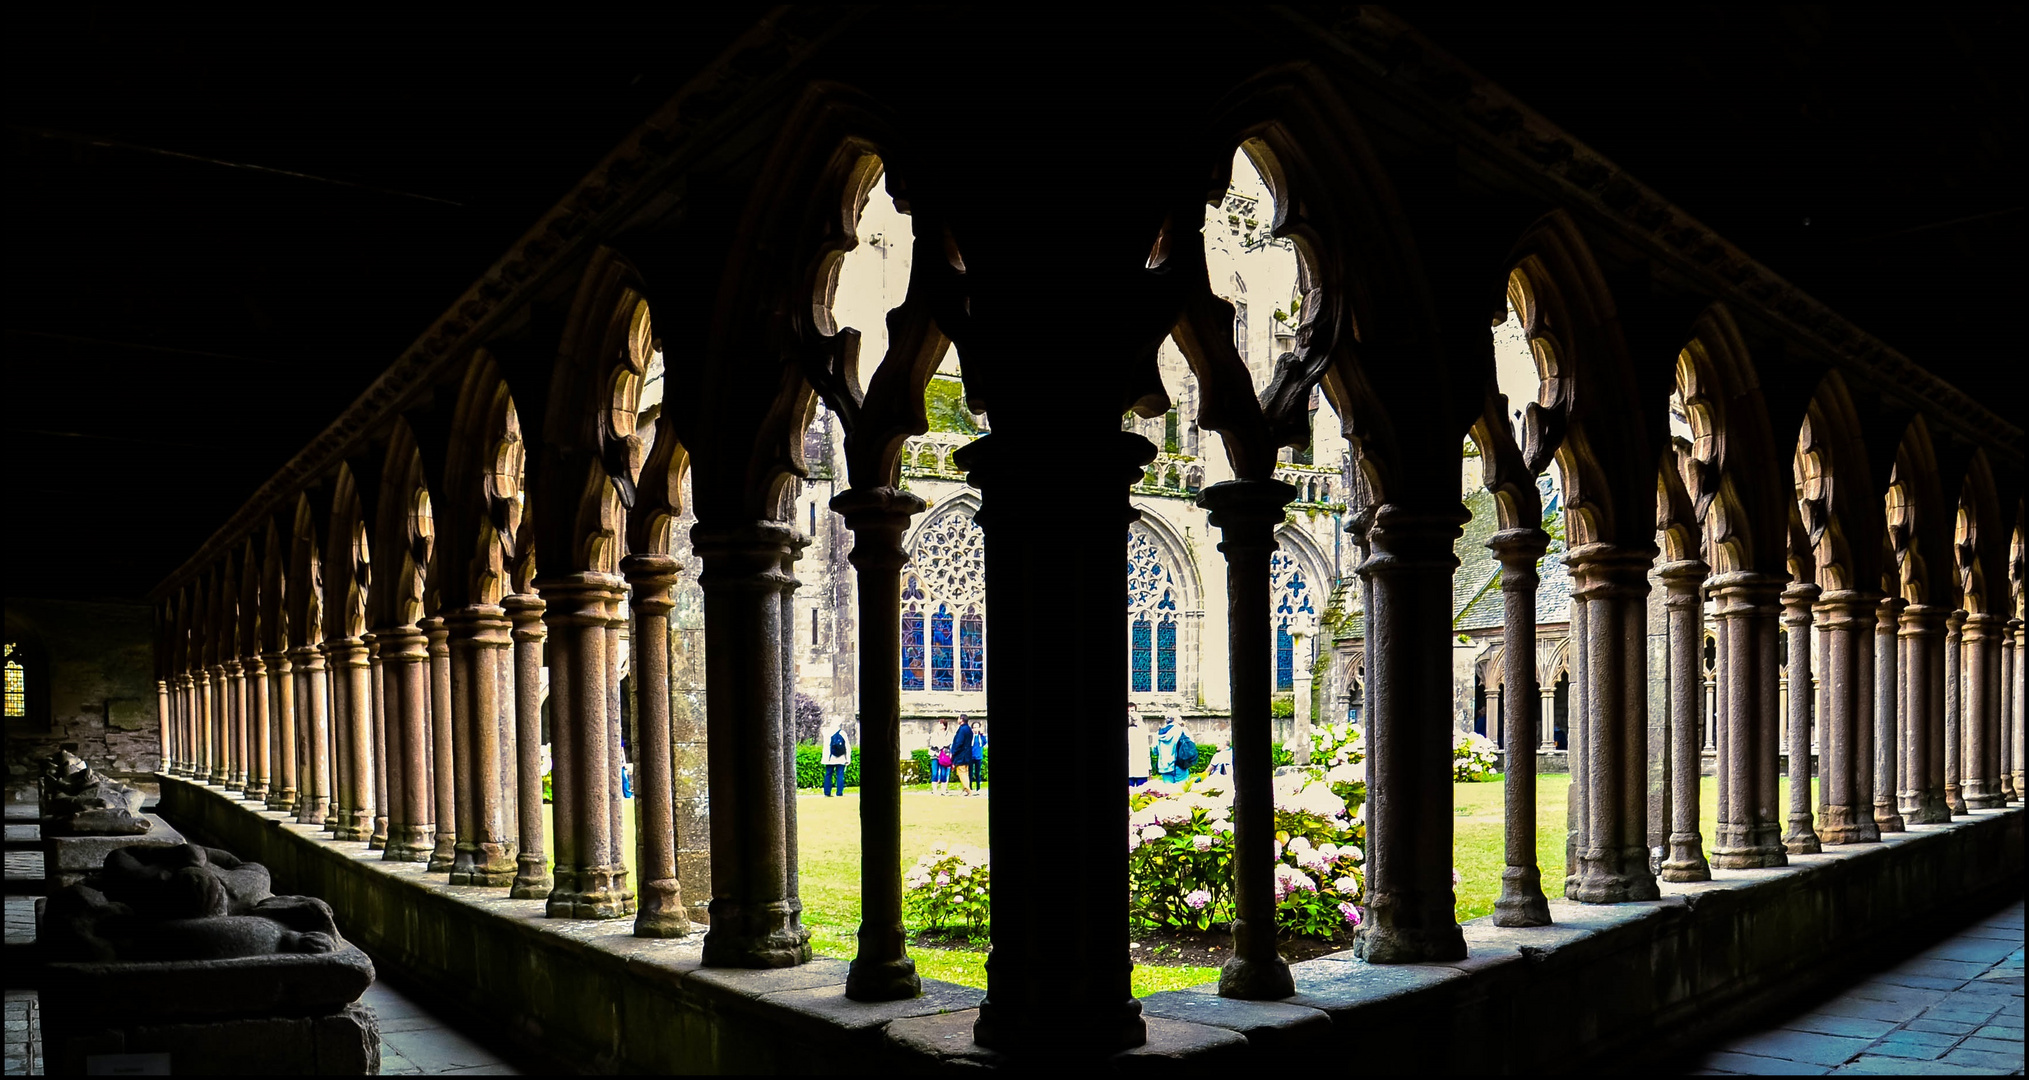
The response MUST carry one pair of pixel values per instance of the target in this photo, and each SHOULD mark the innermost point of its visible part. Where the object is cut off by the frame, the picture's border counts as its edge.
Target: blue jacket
(961, 746)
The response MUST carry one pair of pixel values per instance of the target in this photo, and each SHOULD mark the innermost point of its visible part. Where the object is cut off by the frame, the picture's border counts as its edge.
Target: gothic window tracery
(17, 684)
(1152, 618)
(1293, 611)
(944, 607)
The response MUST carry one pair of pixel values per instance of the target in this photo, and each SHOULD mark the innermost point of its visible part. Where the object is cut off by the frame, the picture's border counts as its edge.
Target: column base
(491, 865)
(1406, 928)
(1614, 878)
(1954, 798)
(1847, 825)
(661, 913)
(1799, 839)
(313, 811)
(757, 936)
(355, 826)
(1522, 902)
(1686, 861)
(592, 892)
(1251, 979)
(445, 855)
(1888, 818)
(1982, 795)
(1930, 809)
(883, 980)
(257, 792)
(409, 843)
(531, 878)
(1747, 848)
(379, 836)
(1045, 1039)
(283, 800)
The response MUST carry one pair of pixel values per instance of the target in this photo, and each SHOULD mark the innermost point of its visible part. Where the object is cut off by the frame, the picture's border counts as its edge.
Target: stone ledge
(1606, 985)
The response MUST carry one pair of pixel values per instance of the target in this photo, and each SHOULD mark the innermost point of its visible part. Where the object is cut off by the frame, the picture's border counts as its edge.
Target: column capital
(877, 517)
(1797, 599)
(486, 624)
(1518, 551)
(1924, 620)
(1956, 619)
(1747, 592)
(438, 635)
(346, 651)
(1603, 570)
(1841, 609)
(525, 612)
(1889, 607)
(1000, 458)
(308, 657)
(251, 665)
(752, 552)
(580, 599)
(653, 578)
(1981, 625)
(400, 643)
(1412, 539)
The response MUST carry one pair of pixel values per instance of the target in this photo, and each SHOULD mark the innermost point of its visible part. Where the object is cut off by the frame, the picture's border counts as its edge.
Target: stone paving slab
(1953, 1010)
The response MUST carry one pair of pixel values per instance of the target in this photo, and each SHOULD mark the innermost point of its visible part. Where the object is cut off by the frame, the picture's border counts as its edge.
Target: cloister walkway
(1954, 1009)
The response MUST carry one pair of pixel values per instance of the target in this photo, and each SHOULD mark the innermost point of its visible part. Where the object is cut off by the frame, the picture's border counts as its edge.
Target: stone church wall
(98, 691)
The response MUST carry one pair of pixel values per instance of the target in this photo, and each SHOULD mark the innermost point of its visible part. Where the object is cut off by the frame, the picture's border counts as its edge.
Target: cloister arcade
(365, 644)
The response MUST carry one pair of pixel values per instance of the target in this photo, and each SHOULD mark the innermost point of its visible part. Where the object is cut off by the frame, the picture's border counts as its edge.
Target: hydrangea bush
(1180, 845)
(950, 888)
(1472, 756)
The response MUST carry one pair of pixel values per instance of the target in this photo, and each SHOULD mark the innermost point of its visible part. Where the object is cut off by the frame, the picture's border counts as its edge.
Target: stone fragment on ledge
(78, 801)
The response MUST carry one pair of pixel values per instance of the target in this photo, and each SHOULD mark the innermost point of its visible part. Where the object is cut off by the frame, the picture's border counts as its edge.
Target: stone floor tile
(1752, 1065)
(438, 1049)
(1868, 1008)
(1984, 1059)
(1874, 1065)
(1851, 1027)
(2000, 1031)
(1975, 1009)
(1826, 1050)
(393, 1064)
(1995, 1046)
(484, 1070)
(1942, 1025)
(1921, 982)
(1982, 951)
(1899, 1045)
(1960, 970)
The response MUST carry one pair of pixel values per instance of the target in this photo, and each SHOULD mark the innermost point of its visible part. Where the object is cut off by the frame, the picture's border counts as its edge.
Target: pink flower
(943, 879)
(1196, 899)
(1454, 879)
(1350, 913)
(1201, 842)
(1154, 832)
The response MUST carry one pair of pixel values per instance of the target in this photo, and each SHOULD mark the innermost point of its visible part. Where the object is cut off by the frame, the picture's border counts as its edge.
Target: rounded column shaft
(653, 579)
(405, 671)
(1956, 718)
(352, 714)
(1685, 607)
(282, 702)
(1611, 584)
(447, 766)
(1799, 838)
(1845, 803)
(313, 798)
(1521, 902)
(385, 756)
(1922, 692)
(479, 640)
(1983, 634)
(531, 865)
(1246, 513)
(260, 727)
(1888, 720)
(1750, 833)
(591, 878)
(881, 970)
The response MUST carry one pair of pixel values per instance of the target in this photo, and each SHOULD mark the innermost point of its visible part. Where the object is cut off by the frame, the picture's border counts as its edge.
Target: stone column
(259, 726)
(1682, 585)
(882, 970)
(282, 791)
(235, 709)
(483, 729)
(352, 719)
(447, 769)
(1056, 598)
(405, 671)
(1888, 721)
(1749, 834)
(590, 881)
(1522, 902)
(386, 753)
(1798, 836)
(755, 918)
(1410, 906)
(1546, 716)
(2017, 705)
(1956, 718)
(1983, 633)
(164, 725)
(661, 914)
(616, 755)
(211, 691)
(1246, 513)
(1845, 810)
(1611, 584)
(2010, 760)
(531, 866)
(313, 781)
(1923, 684)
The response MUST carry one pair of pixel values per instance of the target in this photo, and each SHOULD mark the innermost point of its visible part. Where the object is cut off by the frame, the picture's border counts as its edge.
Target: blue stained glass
(1166, 657)
(940, 649)
(971, 652)
(1285, 658)
(1141, 682)
(912, 650)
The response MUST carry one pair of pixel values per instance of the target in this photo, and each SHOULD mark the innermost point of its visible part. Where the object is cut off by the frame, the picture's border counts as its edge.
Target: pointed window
(17, 683)
(912, 649)
(941, 653)
(1141, 656)
(1166, 657)
(1285, 657)
(971, 651)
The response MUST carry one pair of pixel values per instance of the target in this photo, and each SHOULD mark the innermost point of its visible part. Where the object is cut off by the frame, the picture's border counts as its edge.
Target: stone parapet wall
(1606, 985)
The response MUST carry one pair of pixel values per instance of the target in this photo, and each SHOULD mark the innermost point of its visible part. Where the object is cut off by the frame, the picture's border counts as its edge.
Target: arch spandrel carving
(485, 490)
(1841, 506)
(348, 563)
(1981, 543)
(275, 607)
(1734, 476)
(403, 535)
(1919, 523)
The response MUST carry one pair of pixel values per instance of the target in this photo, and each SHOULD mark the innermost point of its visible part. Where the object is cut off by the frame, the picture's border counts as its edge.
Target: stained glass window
(971, 651)
(1141, 682)
(940, 650)
(1166, 657)
(17, 684)
(912, 650)
(1285, 657)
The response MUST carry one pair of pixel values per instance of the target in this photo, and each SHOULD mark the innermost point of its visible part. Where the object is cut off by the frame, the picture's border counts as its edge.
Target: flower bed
(1472, 757)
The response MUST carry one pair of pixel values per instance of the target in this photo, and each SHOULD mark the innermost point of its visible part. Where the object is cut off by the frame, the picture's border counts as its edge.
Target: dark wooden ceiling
(219, 229)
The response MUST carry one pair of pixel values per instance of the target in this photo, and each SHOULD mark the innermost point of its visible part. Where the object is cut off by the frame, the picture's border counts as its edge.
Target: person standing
(837, 755)
(978, 755)
(1137, 749)
(961, 755)
(1175, 753)
(940, 756)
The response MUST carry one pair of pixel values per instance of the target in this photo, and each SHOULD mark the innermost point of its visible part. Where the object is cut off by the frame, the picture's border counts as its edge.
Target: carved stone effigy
(186, 955)
(77, 800)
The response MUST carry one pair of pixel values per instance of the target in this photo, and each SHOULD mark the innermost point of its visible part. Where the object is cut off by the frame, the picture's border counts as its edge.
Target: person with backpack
(837, 755)
(1175, 753)
(978, 755)
(940, 757)
(961, 755)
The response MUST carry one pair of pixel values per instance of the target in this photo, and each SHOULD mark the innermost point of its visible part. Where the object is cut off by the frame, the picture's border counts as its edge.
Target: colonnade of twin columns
(424, 739)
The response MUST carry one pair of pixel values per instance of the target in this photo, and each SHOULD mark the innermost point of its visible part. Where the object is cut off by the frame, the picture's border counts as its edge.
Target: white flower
(1153, 833)
(1346, 885)
(1201, 842)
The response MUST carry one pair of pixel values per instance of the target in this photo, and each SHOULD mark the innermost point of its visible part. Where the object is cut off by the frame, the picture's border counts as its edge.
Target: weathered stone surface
(71, 858)
(279, 985)
(1272, 1026)
(78, 801)
(345, 1043)
(944, 1039)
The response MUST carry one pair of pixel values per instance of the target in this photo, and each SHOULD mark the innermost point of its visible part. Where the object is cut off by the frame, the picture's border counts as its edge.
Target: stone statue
(78, 801)
(157, 904)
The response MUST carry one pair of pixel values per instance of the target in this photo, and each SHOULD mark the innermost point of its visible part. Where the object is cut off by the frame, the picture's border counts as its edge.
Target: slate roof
(1476, 587)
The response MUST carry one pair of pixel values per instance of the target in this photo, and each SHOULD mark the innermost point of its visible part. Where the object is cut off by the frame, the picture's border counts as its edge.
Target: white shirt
(1137, 752)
